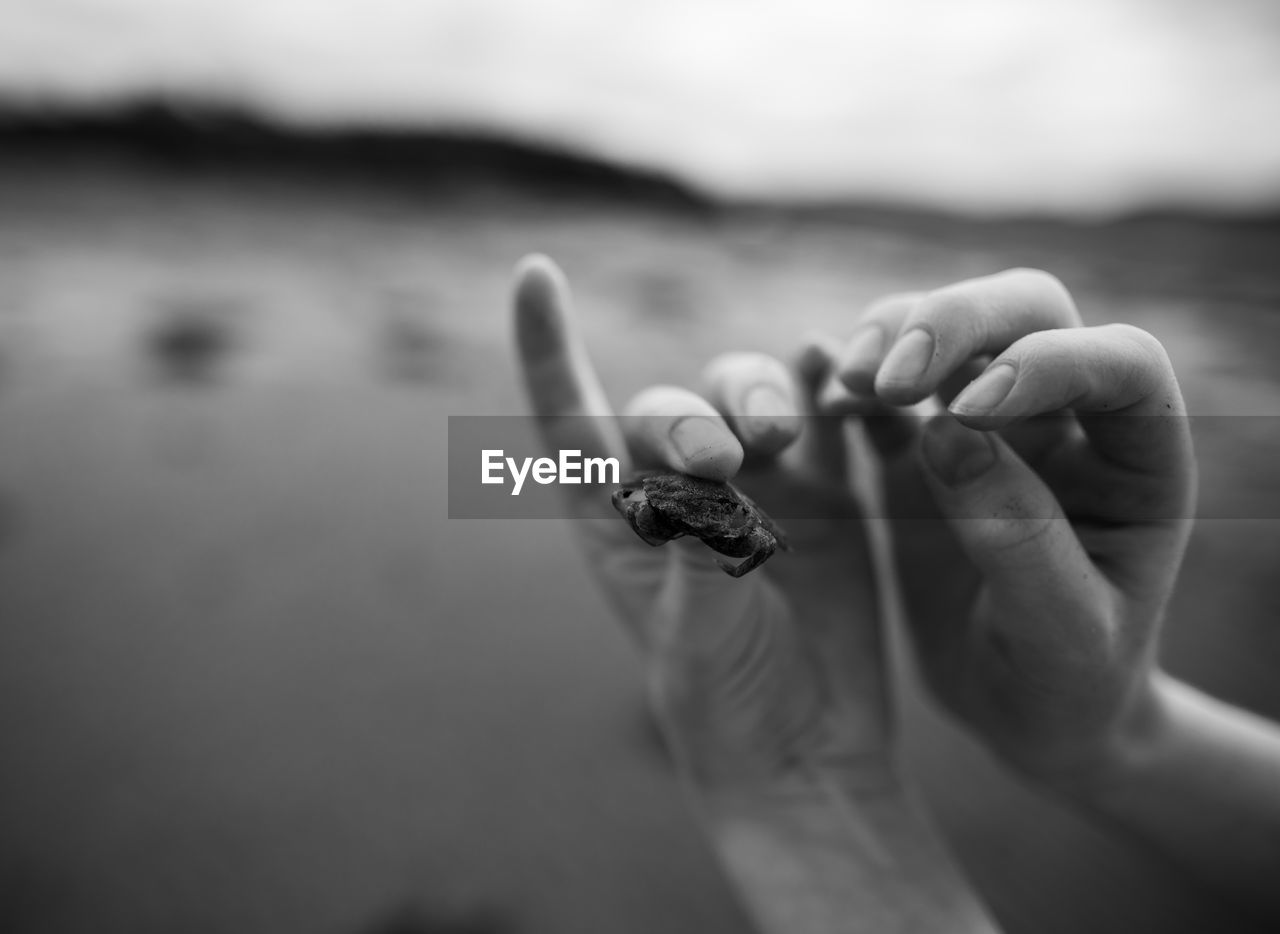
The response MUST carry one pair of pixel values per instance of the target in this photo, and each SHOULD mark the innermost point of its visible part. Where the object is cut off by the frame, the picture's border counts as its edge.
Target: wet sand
(252, 678)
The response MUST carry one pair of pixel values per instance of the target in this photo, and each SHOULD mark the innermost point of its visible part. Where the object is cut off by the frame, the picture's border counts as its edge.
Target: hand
(770, 688)
(771, 679)
(1036, 609)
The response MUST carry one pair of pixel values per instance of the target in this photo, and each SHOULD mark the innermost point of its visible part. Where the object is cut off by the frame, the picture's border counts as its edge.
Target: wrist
(1194, 780)
(1119, 754)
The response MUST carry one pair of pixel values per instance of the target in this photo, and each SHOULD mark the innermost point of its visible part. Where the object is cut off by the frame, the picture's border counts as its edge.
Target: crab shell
(661, 507)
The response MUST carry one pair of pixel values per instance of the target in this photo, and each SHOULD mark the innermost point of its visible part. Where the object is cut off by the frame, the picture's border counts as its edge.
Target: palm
(1014, 683)
(801, 631)
(758, 679)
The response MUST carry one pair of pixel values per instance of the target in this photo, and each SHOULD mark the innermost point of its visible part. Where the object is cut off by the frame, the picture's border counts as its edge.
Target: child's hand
(1036, 608)
(767, 681)
(770, 689)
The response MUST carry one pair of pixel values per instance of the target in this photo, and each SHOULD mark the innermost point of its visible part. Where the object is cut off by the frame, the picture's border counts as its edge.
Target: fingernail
(859, 360)
(766, 401)
(767, 414)
(956, 454)
(908, 358)
(704, 446)
(986, 392)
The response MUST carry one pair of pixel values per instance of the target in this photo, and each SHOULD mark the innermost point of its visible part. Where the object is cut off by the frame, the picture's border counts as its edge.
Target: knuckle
(954, 314)
(948, 303)
(1048, 290)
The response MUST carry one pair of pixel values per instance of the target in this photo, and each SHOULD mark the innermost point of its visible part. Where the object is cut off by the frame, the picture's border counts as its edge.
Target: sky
(1077, 107)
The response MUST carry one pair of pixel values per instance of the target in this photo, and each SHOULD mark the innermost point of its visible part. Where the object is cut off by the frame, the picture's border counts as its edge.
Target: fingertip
(704, 447)
(539, 284)
(901, 379)
(541, 299)
(1006, 519)
(814, 359)
(955, 454)
(770, 420)
(980, 422)
(672, 427)
(721, 465)
(856, 364)
(535, 265)
(756, 394)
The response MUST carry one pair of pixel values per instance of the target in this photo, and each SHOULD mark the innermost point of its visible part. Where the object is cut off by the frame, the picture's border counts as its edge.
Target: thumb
(1006, 520)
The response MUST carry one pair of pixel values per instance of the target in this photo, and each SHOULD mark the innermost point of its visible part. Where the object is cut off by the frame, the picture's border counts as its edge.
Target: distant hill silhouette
(212, 137)
(181, 135)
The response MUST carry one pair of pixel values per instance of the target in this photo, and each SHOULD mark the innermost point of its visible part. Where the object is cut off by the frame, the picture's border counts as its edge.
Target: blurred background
(252, 255)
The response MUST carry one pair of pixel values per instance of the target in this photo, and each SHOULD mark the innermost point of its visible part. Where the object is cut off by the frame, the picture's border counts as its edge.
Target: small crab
(662, 506)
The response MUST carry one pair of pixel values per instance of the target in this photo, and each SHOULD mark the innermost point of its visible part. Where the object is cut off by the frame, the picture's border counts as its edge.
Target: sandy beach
(253, 678)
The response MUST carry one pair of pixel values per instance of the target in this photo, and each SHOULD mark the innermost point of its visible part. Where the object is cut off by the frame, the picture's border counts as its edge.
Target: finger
(963, 375)
(573, 413)
(757, 397)
(1112, 370)
(1031, 439)
(675, 428)
(859, 359)
(564, 392)
(1005, 518)
(814, 361)
(887, 428)
(823, 449)
(1041, 611)
(979, 316)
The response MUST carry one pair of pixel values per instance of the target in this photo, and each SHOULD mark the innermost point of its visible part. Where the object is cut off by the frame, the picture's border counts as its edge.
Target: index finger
(1116, 378)
(949, 326)
(572, 410)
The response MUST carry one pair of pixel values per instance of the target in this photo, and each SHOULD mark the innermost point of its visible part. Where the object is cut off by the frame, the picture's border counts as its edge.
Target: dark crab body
(662, 506)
